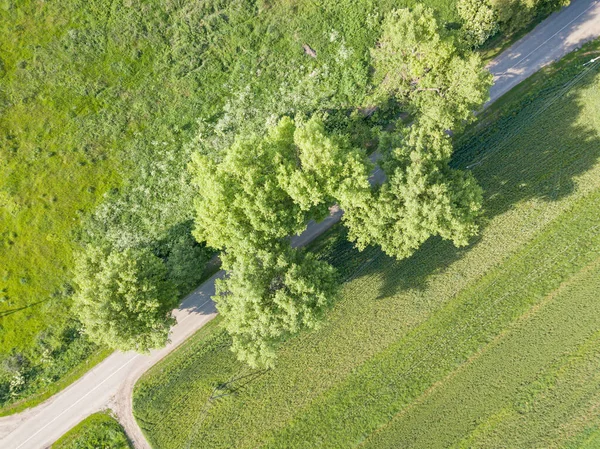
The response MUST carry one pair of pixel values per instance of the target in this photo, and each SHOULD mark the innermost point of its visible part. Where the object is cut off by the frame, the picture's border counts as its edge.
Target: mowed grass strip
(403, 326)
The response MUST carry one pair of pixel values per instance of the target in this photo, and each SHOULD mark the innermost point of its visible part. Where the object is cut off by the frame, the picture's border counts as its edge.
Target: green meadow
(493, 345)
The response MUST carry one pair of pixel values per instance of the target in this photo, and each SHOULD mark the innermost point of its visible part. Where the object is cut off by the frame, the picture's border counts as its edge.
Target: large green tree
(421, 197)
(266, 188)
(441, 86)
(426, 72)
(123, 298)
(269, 295)
(240, 202)
(250, 199)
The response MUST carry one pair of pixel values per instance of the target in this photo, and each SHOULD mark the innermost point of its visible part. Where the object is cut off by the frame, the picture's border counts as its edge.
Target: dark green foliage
(22, 375)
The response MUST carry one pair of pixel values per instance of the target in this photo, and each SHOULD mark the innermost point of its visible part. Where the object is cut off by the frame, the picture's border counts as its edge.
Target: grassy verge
(51, 389)
(99, 430)
(403, 327)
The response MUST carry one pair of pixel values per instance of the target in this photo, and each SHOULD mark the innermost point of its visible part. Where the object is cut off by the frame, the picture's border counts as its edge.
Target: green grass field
(494, 345)
(100, 97)
(98, 431)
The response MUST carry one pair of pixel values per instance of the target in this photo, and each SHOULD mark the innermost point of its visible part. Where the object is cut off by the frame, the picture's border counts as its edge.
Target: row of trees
(264, 187)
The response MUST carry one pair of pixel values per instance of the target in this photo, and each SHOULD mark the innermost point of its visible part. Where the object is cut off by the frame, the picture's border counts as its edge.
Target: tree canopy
(269, 295)
(250, 199)
(426, 72)
(421, 197)
(480, 21)
(124, 299)
(264, 188)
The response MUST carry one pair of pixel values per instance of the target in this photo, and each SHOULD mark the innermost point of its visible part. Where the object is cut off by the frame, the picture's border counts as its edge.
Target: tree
(426, 72)
(422, 197)
(480, 21)
(267, 188)
(270, 295)
(322, 166)
(240, 203)
(123, 298)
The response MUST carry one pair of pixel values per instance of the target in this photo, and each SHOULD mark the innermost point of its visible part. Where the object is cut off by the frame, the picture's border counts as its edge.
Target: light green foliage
(240, 202)
(98, 431)
(268, 296)
(480, 21)
(322, 167)
(425, 71)
(124, 298)
(267, 188)
(261, 191)
(422, 197)
(451, 321)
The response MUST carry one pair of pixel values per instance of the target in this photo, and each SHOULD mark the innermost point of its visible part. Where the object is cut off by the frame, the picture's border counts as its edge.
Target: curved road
(110, 383)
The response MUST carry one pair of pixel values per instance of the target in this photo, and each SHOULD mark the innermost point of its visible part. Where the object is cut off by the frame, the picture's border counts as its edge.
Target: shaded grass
(99, 430)
(401, 327)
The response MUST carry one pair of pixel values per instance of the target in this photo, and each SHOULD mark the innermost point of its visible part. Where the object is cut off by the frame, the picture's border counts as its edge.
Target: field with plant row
(507, 325)
(99, 430)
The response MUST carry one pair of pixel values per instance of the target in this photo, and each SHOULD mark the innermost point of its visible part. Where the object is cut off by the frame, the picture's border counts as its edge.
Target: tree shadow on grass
(537, 151)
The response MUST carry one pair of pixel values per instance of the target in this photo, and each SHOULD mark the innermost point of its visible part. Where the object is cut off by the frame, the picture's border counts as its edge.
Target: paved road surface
(110, 383)
(559, 34)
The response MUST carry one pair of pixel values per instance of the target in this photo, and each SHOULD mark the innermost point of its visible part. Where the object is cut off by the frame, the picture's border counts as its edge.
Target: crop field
(99, 430)
(99, 98)
(493, 345)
